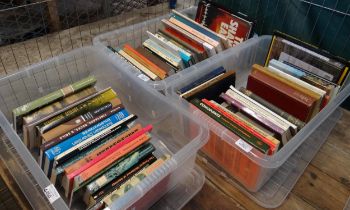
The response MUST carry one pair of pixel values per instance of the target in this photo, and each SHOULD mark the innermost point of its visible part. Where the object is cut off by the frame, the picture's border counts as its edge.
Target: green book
(25, 109)
(232, 126)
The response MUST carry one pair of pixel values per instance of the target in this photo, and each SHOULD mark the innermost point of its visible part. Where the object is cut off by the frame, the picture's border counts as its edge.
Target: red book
(285, 97)
(144, 61)
(185, 39)
(216, 18)
(273, 146)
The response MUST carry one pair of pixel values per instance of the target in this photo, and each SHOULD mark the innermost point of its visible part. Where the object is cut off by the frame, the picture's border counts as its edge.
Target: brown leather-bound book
(282, 95)
(156, 60)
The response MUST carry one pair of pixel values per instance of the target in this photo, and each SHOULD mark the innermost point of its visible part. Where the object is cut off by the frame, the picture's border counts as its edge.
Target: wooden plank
(75, 37)
(13, 187)
(211, 197)
(32, 49)
(65, 39)
(21, 55)
(8, 59)
(292, 201)
(44, 47)
(321, 190)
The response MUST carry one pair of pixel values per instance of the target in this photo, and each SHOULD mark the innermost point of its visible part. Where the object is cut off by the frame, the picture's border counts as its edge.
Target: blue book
(197, 27)
(203, 79)
(286, 68)
(51, 153)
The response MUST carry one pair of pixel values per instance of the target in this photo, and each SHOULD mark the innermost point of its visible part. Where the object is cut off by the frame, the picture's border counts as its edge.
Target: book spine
(198, 34)
(63, 146)
(284, 97)
(104, 163)
(115, 129)
(115, 184)
(144, 61)
(134, 181)
(203, 79)
(238, 130)
(118, 169)
(75, 122)
(273, 108)
(98, 151)
(88, 120)
(110, 151)
(50, 98)
(138, 65)
(252, 113)
(163, 53)
(30, 121)
(58, 171)
(80, 109)
(273, 145)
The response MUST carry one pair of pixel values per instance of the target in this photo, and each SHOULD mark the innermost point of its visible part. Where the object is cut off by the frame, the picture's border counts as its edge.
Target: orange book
(144, 61)
(102, 149)
(109, 160)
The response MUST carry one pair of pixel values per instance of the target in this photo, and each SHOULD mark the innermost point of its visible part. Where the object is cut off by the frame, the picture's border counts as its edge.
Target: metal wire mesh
(324, 23)
(32, 30)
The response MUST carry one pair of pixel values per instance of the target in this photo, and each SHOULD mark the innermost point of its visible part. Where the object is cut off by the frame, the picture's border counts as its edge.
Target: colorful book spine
(86, 125)
(123, 165)
(272, 142)
(252, 113)
(30, 121)
(134, 181)
(89, 133)
(286, 68)
(82, 146)
(75, 122)
(76, 111)
(98, 151)
(58, 171)
(238, 130)
(144, 61)
(19, 112)
(163, 53)
(273, 108)
(119, 181)
(103, 162)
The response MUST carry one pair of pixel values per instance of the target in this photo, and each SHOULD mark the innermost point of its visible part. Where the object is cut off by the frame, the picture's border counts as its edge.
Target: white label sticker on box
(143, 77)
(244, 145)
(51, 193)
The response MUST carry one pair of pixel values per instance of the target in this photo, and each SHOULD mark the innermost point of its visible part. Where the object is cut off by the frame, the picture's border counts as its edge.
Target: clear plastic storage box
(266, 179)
(169, 187)
(135, 35)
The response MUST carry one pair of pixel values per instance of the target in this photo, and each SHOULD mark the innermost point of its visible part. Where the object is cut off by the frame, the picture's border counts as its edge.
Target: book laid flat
(221, 21)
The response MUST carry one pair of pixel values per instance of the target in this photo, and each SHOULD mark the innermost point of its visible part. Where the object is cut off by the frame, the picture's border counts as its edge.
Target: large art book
(234, 28)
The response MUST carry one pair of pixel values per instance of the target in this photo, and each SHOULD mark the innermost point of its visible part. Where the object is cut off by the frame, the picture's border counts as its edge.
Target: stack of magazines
(89, 145)
(182, 42)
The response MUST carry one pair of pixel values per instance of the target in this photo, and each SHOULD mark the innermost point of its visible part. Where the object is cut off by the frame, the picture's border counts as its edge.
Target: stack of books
(280, 98)
(89, 145)
(182, 42)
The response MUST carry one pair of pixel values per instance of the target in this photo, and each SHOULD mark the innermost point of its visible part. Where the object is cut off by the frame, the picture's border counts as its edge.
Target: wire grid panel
(324, 23)
(77, 26)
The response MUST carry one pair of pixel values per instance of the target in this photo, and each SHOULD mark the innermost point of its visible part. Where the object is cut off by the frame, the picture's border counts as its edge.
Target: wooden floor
(325, 184)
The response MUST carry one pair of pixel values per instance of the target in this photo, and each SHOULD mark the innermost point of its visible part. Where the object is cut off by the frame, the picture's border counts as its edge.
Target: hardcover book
(28, 108)
(310, 58)
(33, 119)
(235, 29)
(283, 96)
